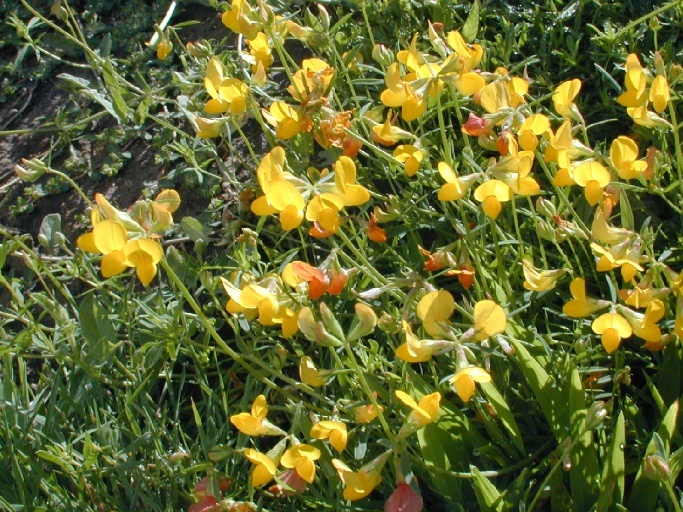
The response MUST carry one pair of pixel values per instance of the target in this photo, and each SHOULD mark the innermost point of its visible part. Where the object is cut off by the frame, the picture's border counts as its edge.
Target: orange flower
(319, 282)
(375, 233)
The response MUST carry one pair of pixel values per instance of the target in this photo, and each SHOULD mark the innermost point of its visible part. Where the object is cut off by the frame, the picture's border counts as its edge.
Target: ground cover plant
(393, 256)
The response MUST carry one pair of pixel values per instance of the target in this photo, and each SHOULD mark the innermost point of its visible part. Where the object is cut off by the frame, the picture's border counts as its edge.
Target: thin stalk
(232, 353)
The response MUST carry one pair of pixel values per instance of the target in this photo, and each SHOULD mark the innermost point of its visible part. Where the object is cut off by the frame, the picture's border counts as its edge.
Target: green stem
(239, 358)
(677, 146)
(646, 17)
(368, 391)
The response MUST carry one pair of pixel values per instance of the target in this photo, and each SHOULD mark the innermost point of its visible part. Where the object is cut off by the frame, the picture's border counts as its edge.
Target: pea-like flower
(612, 328)
(301, 458)
(581, 306)
(410, 156)
(563, 98)
(264, 467)
(359, 484)
(594, 177)
(254, 423)
(434, 309)
(335, 431)
(491, 194)
(489, 320)
(464, 381)
(227, 94)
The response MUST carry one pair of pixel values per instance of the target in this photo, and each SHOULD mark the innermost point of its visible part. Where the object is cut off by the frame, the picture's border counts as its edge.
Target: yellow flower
(335, 431)
(264, 467)
(563, 98)
(636, 85)
(539, 280)
(581, 306)
(143, 254)
(489, 319)
(469, 55)
(164, 49)
(605, 233)
(227, 94)
(464, 380)
(109, 238)
(400, 94)
(434, 309)
(301, 458)
(310, 375)
(411, 156)
(422, 413)
(281, 195)
(387, 134)
(366, 413)
(623, 154)
(455, 187)
(415, 350)
(254, 423)
(659, 93)
(237, 19)
(530, 129)
(311, 83)
(286, 119)
(491, 194)
(617, 257)
(645, 325)
(594, 178)
(264, 300)
(613, 328)
(260, 52)
(207, 128)
(357, 485)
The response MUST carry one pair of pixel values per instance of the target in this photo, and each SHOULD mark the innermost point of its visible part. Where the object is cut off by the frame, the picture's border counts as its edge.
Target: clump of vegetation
(440, 268)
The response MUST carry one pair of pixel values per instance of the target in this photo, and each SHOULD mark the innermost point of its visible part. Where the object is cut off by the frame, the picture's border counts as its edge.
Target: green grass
(119, 396)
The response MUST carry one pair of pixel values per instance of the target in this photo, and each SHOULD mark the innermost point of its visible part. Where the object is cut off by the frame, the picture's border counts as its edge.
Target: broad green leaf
(584, 474)
(98, 331)
(612, 482)
(644, 495)
(504, 413)
(115, 91)
(471, 26)
(86, 88)
(669, 374)
(197, 231)
(488, 496)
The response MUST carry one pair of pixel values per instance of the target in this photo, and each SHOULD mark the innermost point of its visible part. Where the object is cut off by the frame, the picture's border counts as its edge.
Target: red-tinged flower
(291, 483)
(404, 499)
(476, 126)
(319, 281)
(465, 275)
(208, 504)
(375, 233)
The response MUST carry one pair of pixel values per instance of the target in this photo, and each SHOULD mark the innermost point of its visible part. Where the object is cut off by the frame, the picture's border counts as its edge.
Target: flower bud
(33, 169)
(164, 49)
(382, 55)
(330, 321)
(364, 322)
(656, 468)
(596, 414)
(545, 231)
(545, 207)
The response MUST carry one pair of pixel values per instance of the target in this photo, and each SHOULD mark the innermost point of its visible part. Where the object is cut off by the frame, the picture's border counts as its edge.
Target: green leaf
(197, 231)
(488, 496)
(51, 225)
(471, 26)
(85, 88)
(115, 91)
(644, 495)
(612, 486)
(584, 474)
(97, 329)
(504, 414)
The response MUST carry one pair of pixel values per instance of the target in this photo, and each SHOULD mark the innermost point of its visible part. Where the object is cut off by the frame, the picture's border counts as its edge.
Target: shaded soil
(36, 103)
